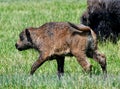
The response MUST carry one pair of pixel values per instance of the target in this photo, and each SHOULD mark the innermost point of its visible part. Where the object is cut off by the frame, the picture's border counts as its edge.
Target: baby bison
(55, 40)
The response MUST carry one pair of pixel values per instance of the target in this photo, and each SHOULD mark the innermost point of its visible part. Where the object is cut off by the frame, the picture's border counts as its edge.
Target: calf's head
(24, 42)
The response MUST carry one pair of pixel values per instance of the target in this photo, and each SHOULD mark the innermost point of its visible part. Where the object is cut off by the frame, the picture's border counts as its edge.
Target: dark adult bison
(103, 16)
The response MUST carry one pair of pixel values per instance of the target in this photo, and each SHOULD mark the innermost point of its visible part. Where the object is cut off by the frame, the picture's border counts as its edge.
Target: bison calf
(55, 40)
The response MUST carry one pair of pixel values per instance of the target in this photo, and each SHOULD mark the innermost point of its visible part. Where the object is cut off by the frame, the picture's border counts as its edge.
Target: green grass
(16, 15)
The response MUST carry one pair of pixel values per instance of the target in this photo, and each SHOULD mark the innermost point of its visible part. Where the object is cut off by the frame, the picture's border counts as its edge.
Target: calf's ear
(27, 32)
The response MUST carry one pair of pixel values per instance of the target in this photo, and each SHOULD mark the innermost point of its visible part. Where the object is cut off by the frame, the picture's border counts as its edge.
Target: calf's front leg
(37, 64)
(60, 65)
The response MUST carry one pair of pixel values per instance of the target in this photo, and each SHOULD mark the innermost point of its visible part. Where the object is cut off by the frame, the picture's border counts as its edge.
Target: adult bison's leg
(60, 65)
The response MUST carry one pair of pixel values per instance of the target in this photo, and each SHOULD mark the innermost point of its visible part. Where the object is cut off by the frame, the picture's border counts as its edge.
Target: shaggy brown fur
(55, 40)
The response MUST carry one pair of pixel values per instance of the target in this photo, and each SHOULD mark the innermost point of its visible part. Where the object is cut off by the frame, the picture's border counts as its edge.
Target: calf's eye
(21, 38)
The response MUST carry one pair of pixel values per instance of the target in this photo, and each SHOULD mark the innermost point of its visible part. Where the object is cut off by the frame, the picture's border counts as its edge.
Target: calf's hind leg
(82, 59)
(101, 59)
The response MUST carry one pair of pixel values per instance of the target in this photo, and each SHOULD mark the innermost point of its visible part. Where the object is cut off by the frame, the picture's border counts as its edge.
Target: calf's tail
(81, 27)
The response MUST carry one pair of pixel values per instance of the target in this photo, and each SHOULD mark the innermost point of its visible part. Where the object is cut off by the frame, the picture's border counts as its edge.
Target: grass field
(15, 15)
